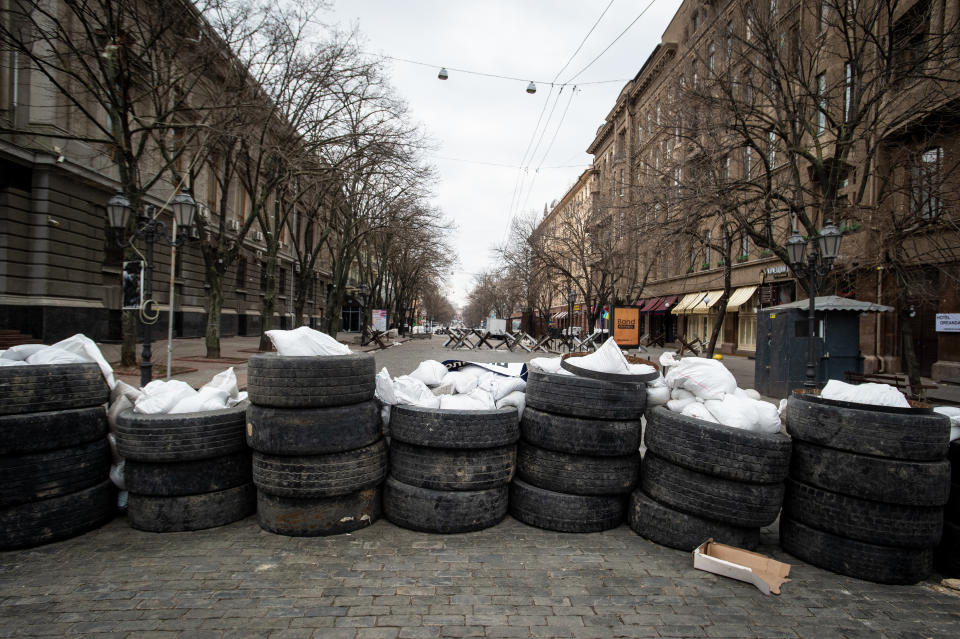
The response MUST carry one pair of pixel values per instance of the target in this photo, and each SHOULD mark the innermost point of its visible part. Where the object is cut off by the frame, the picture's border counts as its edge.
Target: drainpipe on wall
(876, 329)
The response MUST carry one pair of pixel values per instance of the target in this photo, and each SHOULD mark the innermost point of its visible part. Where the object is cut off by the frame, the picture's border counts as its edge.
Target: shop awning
(651, 304)
(559, 315)
(708, 301)
(739, 297)
(665, 304)
(642, 302)
(688, 300)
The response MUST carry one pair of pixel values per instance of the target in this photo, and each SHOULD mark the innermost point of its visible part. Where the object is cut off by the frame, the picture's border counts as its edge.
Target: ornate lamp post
(571, 300)
(819, 260)
(150, 229)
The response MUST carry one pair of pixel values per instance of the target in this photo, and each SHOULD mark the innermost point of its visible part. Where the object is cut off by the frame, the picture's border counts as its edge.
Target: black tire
(313, 431)
(577, 474)
(584, 397)
(443, 511)
(669, 527)
(917, 436)
(951, 512)
(880, 564)
(953, 455)
(865, 520)
(893, 481)
(48, 520)
(310, 382)
(438, 428)
(452, 469)
(947, 554)
(49, 430)
(47, 387)
(171, 479)
(580, 435)
(318, 517)
(734, 502)
(52, 473)
(181, 437)
(191, 512)
(562, 512)
(315, 476)
(721, 451)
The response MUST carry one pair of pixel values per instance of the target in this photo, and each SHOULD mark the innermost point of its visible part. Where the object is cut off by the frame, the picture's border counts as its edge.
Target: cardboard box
(763, 572)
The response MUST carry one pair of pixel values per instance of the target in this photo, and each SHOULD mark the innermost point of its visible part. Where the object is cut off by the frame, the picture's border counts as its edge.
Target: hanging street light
(531, 88)
(443, 75)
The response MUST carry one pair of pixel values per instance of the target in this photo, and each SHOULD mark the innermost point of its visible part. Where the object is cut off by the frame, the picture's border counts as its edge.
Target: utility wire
(622, 33)
(582, 42)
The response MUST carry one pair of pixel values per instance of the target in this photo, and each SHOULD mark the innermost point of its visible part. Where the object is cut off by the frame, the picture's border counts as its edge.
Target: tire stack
(947, 555)
(319, 453)
(703, 480)
(867, 489)
(185, 471)
(579, 455)
(450, 469)
(54, 454)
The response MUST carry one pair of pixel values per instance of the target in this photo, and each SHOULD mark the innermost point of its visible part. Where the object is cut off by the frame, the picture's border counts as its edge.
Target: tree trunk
(911, 364)
(214, 311)
(268, 304)
(721, 309)
(128, 349)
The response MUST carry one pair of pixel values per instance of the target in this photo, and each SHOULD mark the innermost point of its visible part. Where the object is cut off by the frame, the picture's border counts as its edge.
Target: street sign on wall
(948, 322)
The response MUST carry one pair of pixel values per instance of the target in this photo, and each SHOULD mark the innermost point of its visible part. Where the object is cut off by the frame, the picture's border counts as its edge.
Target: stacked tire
(319, 454)
(450, 469)
(186, 471)
(54, 454)
(867, 489)
(702, 480)
(579, 455)
(947, 555)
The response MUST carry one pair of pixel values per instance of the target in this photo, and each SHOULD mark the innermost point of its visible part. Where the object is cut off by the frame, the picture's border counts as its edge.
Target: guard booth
(783, 335)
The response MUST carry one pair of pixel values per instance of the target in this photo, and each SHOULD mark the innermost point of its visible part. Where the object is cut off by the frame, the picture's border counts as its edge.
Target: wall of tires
(54, 454)
(947, 554)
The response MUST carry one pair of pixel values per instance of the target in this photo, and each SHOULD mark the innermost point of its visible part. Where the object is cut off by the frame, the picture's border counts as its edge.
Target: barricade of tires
(319, 454)
(701, 480)
(185, 471)
(579, 453)
(947, 555)
(450, 469)
(867, 489)
(54, 454)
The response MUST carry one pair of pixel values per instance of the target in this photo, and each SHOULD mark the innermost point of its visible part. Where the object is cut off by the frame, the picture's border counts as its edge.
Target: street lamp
(571, 299)
(150, 229)
(826, 248)
(364, 292)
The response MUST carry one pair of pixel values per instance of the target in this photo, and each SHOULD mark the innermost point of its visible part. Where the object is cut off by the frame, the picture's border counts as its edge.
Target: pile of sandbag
(78, 349)
(705, 389)
(176, 396)
(606, 359)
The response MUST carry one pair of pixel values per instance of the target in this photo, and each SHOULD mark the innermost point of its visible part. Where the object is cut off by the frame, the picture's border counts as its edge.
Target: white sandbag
(160, 396)
(444, 389)
(500, 386)
(484, 397)
(640, 369)
(606, 359)
(430, 372)
(116, 475)
(385, 415)
(21, 352)
(224, 380)
(384, 388)
(547, 364)
(698, 410)
(949, 411)
(51, 355)
(735, 412)
(752, 394)
(668, 359)
(208, 398)
(657, 395)
(462, 383)
(517, 399)
(413, 392)
(304, 341)
(678, 405)
(705, 378)
(12, 362)
(768, 416)
(85, 349)
(233, 401)
(782, 409)
(659, 382)
(680, 393)
(872, 394)
(461, 402)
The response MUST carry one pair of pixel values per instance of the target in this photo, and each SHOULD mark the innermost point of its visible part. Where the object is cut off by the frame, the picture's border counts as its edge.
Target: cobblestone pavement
(511, 580)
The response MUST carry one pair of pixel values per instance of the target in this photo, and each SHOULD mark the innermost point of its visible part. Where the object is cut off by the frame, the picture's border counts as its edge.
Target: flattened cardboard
(765, 573)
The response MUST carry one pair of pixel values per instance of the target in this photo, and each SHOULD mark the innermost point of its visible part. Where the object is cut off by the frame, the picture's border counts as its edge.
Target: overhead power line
(607, 48)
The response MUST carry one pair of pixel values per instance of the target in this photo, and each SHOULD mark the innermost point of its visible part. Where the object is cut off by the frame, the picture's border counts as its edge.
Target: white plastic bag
(84, 348)
(462, 383)
(208, 398)
(657, 395)
(547, 364)
(51, 355)
(668, 359)
(500, 386)
(414, 392)
(698, 410)
(224, 380)
(384, 387)
(680, 393)
(430, 372)
(606, 359)
(21, 352)
(159, 396)
(518, 399)
(769, 416)
(735, 412)
(705, 378)
(872, 394)
(679, 405)
(304, 341)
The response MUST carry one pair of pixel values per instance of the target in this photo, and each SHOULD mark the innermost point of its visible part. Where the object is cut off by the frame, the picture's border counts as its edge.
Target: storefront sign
(626, 326)
(948, 322)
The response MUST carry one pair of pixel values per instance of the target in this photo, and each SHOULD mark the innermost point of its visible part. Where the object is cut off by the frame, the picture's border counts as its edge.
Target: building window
(623, 181)
(241, 272)
(728, 52)
(909, 34)
(771, 148)
(263, 277)
(822, 15)
(773, 8)
(927, 182)
(726, 167)
(711, 57)
(747, 161)
(658, 115)
(847, 90)
(821, 103)
(706, 248)
(745, 246)
(696, 20)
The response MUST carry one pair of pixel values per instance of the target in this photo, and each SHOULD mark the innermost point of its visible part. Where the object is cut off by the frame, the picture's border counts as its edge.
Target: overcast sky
(483, 126)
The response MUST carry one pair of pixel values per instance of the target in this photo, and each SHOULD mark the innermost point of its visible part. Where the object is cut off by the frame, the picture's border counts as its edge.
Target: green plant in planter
(705, 266)
(766, 253)
(722, 263)
(690, 270)
(743, 258)
(849, 228)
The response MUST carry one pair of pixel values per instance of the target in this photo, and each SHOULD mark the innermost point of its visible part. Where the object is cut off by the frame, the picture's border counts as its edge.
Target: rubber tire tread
(951, 512)
(48, 387)
(577, 474)
(892, 481)
(953, 455)
(52, 473)
(452, 469)
(310, 382)
(916, 436)
(721, 451)
(870, 562)
(173, 479)
(585, 397)
(550, 510)
(48, 520)
(313, 431)
(666, 526)
(580, 435)
(443, 511)
(315, 476)
(734, 502)
(864, 520)
(322, 516)
(460, 429)
(191, 512)
(947, 554)
(181, 437)
(49, 430)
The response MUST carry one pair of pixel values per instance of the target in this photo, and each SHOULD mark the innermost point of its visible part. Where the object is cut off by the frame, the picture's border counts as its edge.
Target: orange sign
(626, 326)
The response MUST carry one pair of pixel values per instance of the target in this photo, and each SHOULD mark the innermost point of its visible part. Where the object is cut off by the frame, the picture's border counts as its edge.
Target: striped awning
(708, 301)
(688, 300)
(651, 304)
(559, 315)
(740, 297)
